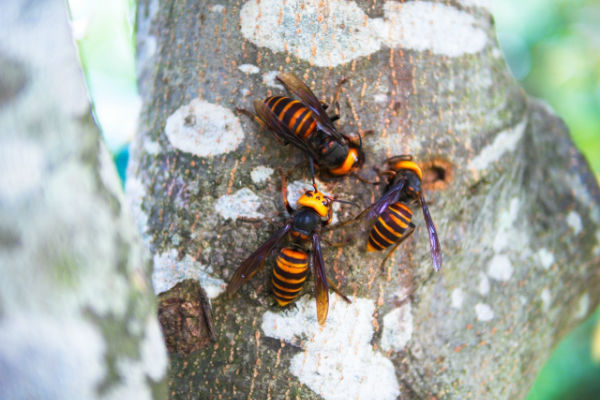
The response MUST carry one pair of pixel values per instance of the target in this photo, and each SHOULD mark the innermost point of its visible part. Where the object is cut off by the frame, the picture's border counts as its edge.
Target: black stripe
(373, 244)
(290, 275)
(280, 106)
(272, 100)
(375, 236)
(385, 231)
(400, 212)
(391, 223)
(279, 293)
(299, 120)
(292, 260)
(283, 298)
(287, 117)
(286, 285)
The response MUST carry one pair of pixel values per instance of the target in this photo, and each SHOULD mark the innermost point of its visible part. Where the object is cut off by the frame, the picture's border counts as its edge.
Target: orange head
(407, 165)
(317, 201)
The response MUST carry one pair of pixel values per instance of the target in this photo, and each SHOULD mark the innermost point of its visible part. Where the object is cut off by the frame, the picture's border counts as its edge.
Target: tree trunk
(77, 313)
(514, 202)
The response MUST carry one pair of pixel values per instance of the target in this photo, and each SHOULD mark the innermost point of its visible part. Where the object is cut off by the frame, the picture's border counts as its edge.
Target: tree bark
(514, 202)
(77, 313)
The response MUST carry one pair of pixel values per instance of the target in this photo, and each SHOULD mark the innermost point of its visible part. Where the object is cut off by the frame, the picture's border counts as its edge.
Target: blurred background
(551, 46)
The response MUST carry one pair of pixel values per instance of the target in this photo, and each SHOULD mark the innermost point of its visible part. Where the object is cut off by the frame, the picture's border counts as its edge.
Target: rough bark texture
(77, 313)
(514, 202)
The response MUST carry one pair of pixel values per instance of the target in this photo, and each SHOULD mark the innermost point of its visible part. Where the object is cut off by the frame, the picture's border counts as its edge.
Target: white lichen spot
(506, 221)
(484, 312)
(169, 270)
(397, 328)
(242, 203)
(380, 98)
(268, 79)
(457, 297)
(22, 164)
(245, 92)
(497, 53)
(546, 299)
(217, 8)
(484, 284)
(341, 32)
(338, 362)
(501, 240)
(574, 222)
(428, 26)
(260, 174)
(204, 129)
(504, 142)
(545, 257)
(151, 147)
(249, 69)
(500, 268)
(583, 306)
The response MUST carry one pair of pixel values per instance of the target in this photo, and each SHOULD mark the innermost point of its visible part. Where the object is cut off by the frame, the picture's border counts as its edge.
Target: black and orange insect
(306, 125)
(392, 211)
(292, 263)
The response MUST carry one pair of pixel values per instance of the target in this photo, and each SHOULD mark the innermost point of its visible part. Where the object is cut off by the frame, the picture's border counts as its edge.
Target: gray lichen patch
(338, 351)
(339, 32)
(204, 129)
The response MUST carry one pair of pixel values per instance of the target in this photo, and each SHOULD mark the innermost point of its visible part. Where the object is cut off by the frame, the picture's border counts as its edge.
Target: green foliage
(571, 373)
(553, 48)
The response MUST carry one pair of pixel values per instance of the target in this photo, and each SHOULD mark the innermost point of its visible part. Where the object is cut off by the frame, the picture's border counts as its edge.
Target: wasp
(306, 125)
(392, 211)
(314, 211)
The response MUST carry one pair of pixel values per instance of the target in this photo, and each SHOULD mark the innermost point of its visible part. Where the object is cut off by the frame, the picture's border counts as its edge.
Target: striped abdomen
(389, 227)
(289, 274)
(295, 115)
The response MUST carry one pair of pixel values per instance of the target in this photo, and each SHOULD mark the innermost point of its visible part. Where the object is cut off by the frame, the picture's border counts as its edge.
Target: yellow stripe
(389, 229)
(294, 253)
(283, 303)
(396, 206)
(287, 280)
(397, 220)
(380, 245)
(382, 236)
(295, 116)
(287, 107)
(343, 169)
(276, 286)
(275, 105)
(291, 268)
(310, 129)
(306, 117)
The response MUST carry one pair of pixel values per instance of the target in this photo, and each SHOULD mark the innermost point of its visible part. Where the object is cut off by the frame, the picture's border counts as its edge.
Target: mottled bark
(514, 202)
(77, 313)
